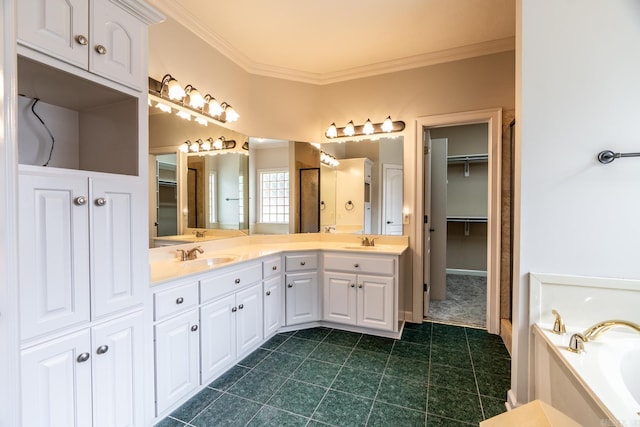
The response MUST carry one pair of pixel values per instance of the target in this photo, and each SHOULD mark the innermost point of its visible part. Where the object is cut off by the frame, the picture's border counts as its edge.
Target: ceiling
(326, 41)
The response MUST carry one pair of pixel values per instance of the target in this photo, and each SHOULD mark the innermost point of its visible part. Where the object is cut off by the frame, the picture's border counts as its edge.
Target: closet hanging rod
(480, 219)
(609, 156)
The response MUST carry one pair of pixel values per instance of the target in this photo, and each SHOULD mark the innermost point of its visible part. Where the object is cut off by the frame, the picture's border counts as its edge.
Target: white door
(272, 305)
(56, 27)
(56, 382)
(249, 319)
(117, 44)
(218, 336)
(301, 298)
(375, 302)
(115, 250)
(117, 372)
(438, 183)
(340, 300)
(392, 200)
(177, 358)
(54, 253)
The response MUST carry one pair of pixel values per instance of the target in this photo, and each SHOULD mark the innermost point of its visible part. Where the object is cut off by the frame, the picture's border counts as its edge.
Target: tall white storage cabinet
(83, 275)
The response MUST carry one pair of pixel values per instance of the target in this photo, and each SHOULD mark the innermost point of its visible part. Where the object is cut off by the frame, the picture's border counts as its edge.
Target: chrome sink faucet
(187, 255)
(576, 343)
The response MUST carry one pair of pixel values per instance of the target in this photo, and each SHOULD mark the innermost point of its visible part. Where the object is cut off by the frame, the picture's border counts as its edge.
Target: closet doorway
(460, 237)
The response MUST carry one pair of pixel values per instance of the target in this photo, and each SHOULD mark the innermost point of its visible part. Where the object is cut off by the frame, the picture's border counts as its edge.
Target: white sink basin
(360, 248)
(207, 262)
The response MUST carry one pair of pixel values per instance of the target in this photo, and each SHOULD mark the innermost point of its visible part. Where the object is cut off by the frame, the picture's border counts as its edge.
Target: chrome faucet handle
(558, 324)
(372, 241)
(365, 241)
(576, 343)
(182, 254)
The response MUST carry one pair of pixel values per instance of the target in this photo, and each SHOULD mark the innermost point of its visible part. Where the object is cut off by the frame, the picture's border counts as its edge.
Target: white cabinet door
(272, 305)
(54, 27)
(375, 302)
(301, 299)
(177, 358)
(117, 44)
(218, 336)
(115, 252)
(54, 253)
(56, 382)
(117, 372)
(340, 301)
(249, 320)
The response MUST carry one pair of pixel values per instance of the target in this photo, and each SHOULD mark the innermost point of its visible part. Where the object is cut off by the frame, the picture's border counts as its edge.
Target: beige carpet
(466, 302)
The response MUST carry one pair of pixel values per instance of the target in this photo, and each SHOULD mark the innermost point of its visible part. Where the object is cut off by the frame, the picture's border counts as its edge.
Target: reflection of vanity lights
(367, 128)
(328, 159)
(208, 146)
(169, 94)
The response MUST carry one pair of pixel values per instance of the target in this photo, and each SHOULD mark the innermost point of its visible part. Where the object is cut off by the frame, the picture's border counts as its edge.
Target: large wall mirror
(195, 197)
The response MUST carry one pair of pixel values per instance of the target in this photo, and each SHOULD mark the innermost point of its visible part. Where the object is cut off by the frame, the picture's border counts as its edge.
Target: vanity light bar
(209, 145)
(368, 128)
(189, 101)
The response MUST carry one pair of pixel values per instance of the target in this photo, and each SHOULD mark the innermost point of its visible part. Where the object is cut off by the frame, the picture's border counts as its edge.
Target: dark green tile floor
(436, 375)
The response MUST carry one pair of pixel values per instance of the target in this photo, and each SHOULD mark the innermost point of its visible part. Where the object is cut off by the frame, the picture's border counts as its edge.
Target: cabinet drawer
(271, 267)
(175, 300)
(301, 262)
(360, 264)
(220, 284)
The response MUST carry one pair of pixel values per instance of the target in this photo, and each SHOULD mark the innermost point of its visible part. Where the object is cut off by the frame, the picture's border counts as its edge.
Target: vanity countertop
(164, 264)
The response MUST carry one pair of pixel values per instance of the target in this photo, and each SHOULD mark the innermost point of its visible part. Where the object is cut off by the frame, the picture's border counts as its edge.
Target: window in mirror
(213, 197)
(274, 196)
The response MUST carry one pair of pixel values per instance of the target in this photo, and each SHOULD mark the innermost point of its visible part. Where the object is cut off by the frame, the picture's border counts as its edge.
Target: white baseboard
(467, 272)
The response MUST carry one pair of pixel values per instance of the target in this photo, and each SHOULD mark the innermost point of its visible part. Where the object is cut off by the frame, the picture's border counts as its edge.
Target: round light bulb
(174, 90)
(332, 131)
(387, 125)
(195, 99)
(349, 129)
(367, 129)
(214, 107)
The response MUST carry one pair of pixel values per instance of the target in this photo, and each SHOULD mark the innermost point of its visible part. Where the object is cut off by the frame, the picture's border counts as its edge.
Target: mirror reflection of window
(213, 197)
(274, 196)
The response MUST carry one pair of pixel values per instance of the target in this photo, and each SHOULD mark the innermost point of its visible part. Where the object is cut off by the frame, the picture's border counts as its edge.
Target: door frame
(493, 118)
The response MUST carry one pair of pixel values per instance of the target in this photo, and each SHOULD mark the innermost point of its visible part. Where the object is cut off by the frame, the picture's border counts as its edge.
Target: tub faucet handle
(558, 324)
(576, 343)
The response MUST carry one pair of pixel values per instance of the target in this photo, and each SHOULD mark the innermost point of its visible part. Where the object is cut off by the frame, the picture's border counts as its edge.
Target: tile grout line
(475, 377)
(380, 382)
(426, 409)
(334, 380)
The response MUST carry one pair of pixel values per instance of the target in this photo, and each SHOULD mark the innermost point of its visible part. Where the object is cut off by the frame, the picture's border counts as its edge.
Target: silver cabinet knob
(290, 285)
(82, 40)
(237, 281)
(241, 306)
(268, 293)
(102, 349)
(179, 300)
(80, 200)
(274, 268)
(360, 286)
(303, 262)
(353, 285)
(101, 49)
(83, 357)
(356, 265)
(234, 309)
(194, 328)
(101, 201)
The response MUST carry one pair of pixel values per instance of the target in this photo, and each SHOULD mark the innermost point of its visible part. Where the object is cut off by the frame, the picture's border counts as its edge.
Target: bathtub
(600, 387)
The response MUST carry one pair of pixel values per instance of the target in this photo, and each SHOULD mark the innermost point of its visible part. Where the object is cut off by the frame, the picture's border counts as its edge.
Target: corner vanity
(212, 311)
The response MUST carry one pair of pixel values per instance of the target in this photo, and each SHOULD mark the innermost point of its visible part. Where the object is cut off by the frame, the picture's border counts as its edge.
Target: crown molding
(178, 13)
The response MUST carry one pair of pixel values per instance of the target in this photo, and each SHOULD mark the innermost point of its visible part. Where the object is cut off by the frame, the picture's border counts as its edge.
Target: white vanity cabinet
(89, 377)
(360, 290)
(231, 317)
(95, 35)
(273, 296)
(302, 293)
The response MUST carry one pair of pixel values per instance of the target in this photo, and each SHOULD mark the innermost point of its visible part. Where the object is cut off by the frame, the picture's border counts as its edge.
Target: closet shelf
(471, 158)
(480, 219)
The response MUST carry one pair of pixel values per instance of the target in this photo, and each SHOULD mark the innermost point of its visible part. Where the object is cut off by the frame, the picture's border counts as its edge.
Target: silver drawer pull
(234, 309)
(353, 285)
(194, 328)
(356, 265)
(241, 306)
(274, 268)
(82, 40)
(102, 349)
(83, 357)
(80, 200)
(101, 49)
(179, 300)
(290, 285)
(303, 262)
(237, 281)
(268, 293)
(101, 201)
